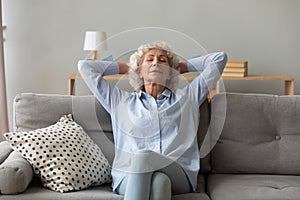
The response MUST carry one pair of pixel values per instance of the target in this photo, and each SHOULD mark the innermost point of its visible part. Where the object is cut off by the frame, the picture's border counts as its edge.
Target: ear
(138, 71)
(170, 72)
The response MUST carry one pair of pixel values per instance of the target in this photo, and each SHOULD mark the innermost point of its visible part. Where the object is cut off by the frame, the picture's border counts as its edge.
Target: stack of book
(235, 68)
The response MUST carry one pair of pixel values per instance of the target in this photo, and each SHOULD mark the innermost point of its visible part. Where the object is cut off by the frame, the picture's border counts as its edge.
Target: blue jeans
(154, 177)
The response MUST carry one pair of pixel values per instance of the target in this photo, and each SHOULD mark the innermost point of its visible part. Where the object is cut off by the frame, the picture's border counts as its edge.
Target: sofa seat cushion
(191, 196)
(250, 187)
(36, 191)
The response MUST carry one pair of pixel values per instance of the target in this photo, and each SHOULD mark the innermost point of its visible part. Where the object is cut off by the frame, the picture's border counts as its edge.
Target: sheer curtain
(3, 102)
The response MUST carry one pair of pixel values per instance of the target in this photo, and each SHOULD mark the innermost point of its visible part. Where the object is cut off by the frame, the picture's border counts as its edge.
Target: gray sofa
(249, 146)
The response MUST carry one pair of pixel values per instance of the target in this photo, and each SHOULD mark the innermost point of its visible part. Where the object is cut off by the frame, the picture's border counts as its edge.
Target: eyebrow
(161, 55)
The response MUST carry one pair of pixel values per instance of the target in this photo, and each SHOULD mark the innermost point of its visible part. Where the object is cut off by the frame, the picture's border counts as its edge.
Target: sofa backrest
(33, 111)
(259, 134)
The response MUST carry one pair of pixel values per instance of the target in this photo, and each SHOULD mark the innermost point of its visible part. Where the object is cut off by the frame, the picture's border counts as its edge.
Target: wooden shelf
(288, 81)
(261, 78)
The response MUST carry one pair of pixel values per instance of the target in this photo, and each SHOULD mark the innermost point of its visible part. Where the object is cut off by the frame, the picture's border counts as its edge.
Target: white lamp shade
(94, 41)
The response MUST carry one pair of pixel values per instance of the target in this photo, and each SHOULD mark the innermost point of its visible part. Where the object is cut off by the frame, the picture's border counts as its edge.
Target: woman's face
(155, 67)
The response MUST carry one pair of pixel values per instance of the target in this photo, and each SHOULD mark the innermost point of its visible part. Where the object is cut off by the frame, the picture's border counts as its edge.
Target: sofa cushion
(63, 155)
(263, 187)
(260, 133)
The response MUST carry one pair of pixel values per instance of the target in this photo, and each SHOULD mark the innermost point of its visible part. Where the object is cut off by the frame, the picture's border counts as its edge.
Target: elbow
(219, 60)
(83, 67)
(221, 57)
(225, 58)
(80, 65)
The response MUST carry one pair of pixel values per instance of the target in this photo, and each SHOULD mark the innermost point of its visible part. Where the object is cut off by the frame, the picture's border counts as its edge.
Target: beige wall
(44, 39)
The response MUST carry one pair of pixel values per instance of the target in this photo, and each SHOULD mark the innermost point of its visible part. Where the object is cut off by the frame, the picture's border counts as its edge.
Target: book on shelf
(235, 68)
(237, 64)
(232, 74)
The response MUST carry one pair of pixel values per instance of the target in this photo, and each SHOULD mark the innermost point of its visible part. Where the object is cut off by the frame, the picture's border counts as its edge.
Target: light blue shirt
(167, 125)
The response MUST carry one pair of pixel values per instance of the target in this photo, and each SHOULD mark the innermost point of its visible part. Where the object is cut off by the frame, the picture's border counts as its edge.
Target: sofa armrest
(15, 172)
(5, 150)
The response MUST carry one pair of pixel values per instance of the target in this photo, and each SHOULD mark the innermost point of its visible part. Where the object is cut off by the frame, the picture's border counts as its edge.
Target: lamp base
(95, 55)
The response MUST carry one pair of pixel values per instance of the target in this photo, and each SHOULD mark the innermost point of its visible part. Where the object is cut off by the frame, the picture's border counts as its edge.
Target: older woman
(156, 152)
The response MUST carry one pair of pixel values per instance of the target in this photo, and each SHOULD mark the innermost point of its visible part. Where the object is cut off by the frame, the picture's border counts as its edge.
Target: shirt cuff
(111, 69)
(190, 67)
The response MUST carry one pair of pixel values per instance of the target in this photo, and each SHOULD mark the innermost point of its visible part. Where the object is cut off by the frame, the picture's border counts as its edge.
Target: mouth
(155, 71)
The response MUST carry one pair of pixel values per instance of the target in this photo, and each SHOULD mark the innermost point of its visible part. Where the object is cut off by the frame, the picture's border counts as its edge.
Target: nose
(156, 62)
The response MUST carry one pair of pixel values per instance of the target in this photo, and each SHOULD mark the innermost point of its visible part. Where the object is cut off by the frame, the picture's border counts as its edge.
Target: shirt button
(278, 137)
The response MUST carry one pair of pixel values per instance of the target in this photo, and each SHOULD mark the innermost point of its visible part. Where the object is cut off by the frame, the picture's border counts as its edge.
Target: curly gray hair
(136, 60)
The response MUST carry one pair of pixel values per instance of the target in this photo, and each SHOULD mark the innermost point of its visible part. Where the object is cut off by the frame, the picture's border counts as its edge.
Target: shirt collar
(166, 93)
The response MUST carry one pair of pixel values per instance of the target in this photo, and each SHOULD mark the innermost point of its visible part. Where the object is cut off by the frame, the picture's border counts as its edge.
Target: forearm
(201, 62)
(211, 67)
(97, 67)
(123, 68)
(206, 62)
(92, 72)
(183, 67)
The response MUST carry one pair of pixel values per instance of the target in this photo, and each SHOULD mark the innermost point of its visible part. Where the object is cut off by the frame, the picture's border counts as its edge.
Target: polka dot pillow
(63, 155)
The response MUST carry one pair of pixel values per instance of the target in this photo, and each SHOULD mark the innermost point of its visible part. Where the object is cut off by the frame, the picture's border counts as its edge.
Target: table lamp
(95, 41)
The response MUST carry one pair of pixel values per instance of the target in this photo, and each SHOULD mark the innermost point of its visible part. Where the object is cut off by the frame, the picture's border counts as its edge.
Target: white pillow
(63, 155)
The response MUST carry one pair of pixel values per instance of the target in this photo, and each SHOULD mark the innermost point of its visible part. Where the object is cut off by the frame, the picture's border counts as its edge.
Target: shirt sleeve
(210, 67)
(92, 72)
